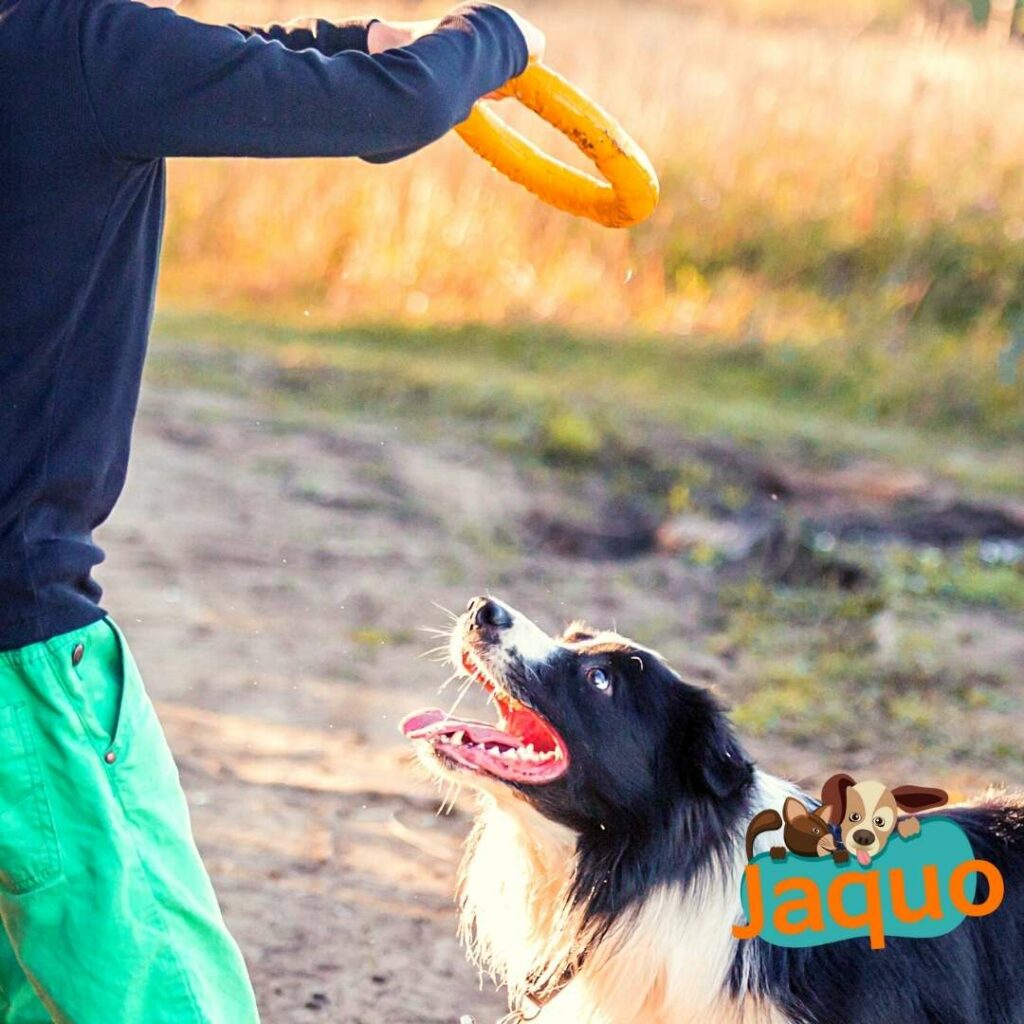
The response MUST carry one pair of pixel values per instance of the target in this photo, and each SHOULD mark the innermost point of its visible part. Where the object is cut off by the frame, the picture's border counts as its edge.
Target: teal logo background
(941, 843)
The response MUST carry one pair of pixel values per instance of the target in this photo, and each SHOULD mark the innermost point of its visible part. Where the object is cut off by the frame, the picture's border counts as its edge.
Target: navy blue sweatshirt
(93, 95)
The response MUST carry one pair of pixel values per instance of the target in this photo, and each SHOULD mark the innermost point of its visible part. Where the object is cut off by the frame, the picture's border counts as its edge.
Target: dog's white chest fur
(668, 963)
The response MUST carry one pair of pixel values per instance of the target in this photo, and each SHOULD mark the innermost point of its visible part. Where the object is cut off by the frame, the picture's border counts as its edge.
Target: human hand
(535, 39)
(391, 35)
(535, 45)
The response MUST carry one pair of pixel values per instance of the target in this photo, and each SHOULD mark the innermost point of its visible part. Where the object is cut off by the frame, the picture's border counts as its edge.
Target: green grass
(580, 400)
(810, 665)
(811, 670)
(959, 578)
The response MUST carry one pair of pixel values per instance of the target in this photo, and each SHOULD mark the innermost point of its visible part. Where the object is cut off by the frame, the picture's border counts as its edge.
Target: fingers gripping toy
(630, 193)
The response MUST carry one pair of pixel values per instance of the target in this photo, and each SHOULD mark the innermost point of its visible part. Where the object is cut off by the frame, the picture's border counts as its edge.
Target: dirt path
(272, 583)
(272, 580)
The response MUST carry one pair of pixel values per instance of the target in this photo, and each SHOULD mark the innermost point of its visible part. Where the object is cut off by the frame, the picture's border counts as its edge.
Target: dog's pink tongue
(420, 720)
(863, 858)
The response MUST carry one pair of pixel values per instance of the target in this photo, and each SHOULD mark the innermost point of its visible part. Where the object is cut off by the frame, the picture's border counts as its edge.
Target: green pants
(107, 914)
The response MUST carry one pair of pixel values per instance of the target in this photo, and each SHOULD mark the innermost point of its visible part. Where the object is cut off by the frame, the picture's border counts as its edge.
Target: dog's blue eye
(599, 679)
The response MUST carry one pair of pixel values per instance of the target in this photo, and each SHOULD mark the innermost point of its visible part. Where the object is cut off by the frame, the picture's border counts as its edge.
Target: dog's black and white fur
(608, 895)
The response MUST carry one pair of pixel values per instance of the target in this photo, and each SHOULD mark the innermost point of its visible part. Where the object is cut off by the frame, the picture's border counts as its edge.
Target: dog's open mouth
(520, 747)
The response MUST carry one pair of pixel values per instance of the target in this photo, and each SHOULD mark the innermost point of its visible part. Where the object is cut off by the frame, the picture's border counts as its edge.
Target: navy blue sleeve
(326, 37)
(164, 85)
(388, 158)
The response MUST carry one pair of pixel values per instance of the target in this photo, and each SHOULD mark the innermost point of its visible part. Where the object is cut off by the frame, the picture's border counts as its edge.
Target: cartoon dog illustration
(806, 833)
(867, 813)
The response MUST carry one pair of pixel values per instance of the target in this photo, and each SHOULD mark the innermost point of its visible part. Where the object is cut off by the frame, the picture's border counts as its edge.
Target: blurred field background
(776, 432)
(843, 189)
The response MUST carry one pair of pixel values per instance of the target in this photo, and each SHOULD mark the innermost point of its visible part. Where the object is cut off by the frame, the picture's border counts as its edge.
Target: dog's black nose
(484, 612)
(862, 837)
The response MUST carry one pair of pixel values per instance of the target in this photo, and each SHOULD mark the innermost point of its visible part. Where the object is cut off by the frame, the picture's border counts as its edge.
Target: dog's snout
(484, 612)
(862, 837)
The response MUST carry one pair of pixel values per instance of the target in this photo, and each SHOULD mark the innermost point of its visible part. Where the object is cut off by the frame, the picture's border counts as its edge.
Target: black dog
(602, 878)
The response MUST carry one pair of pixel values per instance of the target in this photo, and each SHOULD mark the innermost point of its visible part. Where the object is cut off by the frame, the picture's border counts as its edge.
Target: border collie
(602, 877)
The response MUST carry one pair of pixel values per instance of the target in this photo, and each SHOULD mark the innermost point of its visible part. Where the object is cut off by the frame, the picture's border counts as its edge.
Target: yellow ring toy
(630, 193)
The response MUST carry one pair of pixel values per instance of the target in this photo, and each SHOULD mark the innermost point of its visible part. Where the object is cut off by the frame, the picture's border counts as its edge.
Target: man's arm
(164, 85)
(326, 37)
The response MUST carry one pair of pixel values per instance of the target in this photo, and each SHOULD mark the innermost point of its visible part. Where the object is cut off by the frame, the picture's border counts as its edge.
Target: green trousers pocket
(29, 852)
(95, 684)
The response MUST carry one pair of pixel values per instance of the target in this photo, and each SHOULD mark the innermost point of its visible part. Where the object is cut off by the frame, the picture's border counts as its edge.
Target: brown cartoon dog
(805, 833)
(867, 813)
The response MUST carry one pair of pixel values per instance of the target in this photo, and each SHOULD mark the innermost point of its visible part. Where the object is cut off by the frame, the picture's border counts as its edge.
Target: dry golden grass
(818, 184)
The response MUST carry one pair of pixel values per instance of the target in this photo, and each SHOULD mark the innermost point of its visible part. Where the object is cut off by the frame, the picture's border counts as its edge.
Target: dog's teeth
(458, 737)
(494, 750)
(558, 753)
(508, 754)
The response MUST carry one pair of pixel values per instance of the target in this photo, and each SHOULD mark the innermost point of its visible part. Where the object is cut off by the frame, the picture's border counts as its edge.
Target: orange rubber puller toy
(630, 193)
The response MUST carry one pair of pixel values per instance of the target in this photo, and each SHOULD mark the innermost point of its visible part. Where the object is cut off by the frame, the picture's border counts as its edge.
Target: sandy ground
(273, 580)
(272, 583)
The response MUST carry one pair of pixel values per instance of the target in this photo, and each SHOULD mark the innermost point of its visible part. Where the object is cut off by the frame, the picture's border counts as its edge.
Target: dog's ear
(919, 798)
(793, 809)
(825, 812)
(833, 798)
(578, 631)
(723, 764)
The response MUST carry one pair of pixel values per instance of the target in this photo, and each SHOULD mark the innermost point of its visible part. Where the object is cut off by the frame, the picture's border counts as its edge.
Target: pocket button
(110, 757)
(77, 654)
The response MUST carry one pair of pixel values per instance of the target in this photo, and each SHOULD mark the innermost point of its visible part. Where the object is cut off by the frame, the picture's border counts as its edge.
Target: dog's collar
(533, 1004)
(536, 999)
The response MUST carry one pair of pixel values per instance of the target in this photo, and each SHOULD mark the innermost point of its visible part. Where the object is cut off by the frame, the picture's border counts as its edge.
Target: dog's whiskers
(437, 653)
(448, 798)
(463, 690)
(447, 611)
(444, 686)
(434, 631)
